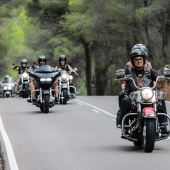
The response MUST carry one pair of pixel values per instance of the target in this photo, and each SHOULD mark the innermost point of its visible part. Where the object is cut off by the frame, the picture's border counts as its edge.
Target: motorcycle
(24, 85)
(45, 76)
(7, 88)
(144, 128)
(65, 86)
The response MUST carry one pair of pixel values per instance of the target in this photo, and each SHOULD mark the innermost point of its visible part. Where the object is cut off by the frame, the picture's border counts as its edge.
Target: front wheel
(65, 95)
(25, 90)
(46, 104)
(149, 135)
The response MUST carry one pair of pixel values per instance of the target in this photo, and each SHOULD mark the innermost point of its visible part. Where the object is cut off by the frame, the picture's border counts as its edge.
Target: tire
(46, 104)
(149, 135)
(26, 91)
(42, 108)
(65, 95)
(6, 95)
(118, 118)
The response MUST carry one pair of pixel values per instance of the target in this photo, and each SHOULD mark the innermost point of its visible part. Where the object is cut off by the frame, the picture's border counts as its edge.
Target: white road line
(102, 110)
(80, 103)
(11, 157)
(107, 113)
(95, 110)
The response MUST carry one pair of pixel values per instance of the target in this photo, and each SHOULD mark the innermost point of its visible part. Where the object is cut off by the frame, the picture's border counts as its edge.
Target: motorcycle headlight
(71, 77)
(64, 76)
(5, 88)
(25, 75)
(45, 79)
(147, 94)
(9, 88)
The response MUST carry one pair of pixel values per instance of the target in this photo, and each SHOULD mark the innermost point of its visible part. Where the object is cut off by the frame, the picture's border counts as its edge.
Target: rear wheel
(149, 135)
(46, 104)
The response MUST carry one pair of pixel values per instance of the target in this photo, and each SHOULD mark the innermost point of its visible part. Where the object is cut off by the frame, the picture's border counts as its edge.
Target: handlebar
(128, 78)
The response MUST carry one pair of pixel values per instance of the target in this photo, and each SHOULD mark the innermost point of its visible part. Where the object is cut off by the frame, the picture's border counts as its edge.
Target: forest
(96, 36)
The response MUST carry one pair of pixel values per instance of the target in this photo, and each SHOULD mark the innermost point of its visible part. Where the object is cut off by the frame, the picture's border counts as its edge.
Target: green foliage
(108, 29)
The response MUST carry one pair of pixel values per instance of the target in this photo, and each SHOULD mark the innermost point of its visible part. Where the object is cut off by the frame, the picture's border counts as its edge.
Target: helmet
(6, 78)
(42, 57)
(63, 58)
(23, 61)
(141, 47)
(136, 53)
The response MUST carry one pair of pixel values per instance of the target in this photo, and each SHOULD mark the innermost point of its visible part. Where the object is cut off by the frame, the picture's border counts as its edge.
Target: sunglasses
(42, 61)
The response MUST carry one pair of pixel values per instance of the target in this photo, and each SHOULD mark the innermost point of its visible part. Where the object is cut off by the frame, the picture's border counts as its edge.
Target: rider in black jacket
(41, 61)
(143, 76)
(20, 69)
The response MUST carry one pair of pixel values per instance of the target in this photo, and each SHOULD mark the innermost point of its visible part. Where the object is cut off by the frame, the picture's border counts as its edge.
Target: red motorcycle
(144, 128)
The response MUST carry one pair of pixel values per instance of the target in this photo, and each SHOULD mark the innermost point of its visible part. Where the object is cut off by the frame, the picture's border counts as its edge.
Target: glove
(122, 92)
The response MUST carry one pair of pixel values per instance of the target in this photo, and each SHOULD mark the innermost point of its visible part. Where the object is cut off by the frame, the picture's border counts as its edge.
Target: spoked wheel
(46, 104)
(149, 135)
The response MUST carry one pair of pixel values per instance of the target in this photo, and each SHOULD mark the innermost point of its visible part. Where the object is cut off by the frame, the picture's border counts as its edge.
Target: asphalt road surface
(81, 135)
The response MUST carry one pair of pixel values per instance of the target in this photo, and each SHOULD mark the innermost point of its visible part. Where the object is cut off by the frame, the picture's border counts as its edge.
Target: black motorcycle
(44, 93)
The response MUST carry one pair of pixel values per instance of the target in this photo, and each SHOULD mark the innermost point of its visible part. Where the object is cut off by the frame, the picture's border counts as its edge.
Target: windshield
(7, 80)
(44, 69)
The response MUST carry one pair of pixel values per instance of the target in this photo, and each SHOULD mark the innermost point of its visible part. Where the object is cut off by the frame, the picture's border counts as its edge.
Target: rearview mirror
(120, 73)
(166, 72)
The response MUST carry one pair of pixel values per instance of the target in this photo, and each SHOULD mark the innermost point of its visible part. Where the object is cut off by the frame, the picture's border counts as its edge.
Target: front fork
(40, 96)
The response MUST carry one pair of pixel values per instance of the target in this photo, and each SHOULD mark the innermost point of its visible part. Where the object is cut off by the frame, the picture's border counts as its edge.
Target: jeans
(126, 108)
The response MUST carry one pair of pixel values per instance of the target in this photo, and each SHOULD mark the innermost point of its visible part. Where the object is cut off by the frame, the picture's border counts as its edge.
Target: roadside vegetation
(96, 36)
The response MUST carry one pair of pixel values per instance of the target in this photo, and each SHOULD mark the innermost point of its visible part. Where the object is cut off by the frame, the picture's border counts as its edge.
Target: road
(81, 135)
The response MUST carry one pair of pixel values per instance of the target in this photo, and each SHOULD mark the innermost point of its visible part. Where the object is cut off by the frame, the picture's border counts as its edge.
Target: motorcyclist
(20, 69)
(143, 76)
(129, 65)
(145, 50)
(64, 66)
(6, 79)
(41, 61)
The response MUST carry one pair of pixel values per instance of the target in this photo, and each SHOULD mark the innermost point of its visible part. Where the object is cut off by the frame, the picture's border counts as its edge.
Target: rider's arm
(56, 68)
(148, 64)
(72, 70)
(15, 67)
(128, 65)
(155, 74)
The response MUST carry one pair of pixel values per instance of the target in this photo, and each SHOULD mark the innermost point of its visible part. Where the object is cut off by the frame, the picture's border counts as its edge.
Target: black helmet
(42, 57)
(141, 47)
(63, 58)
(136, 53)
(23, 61)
